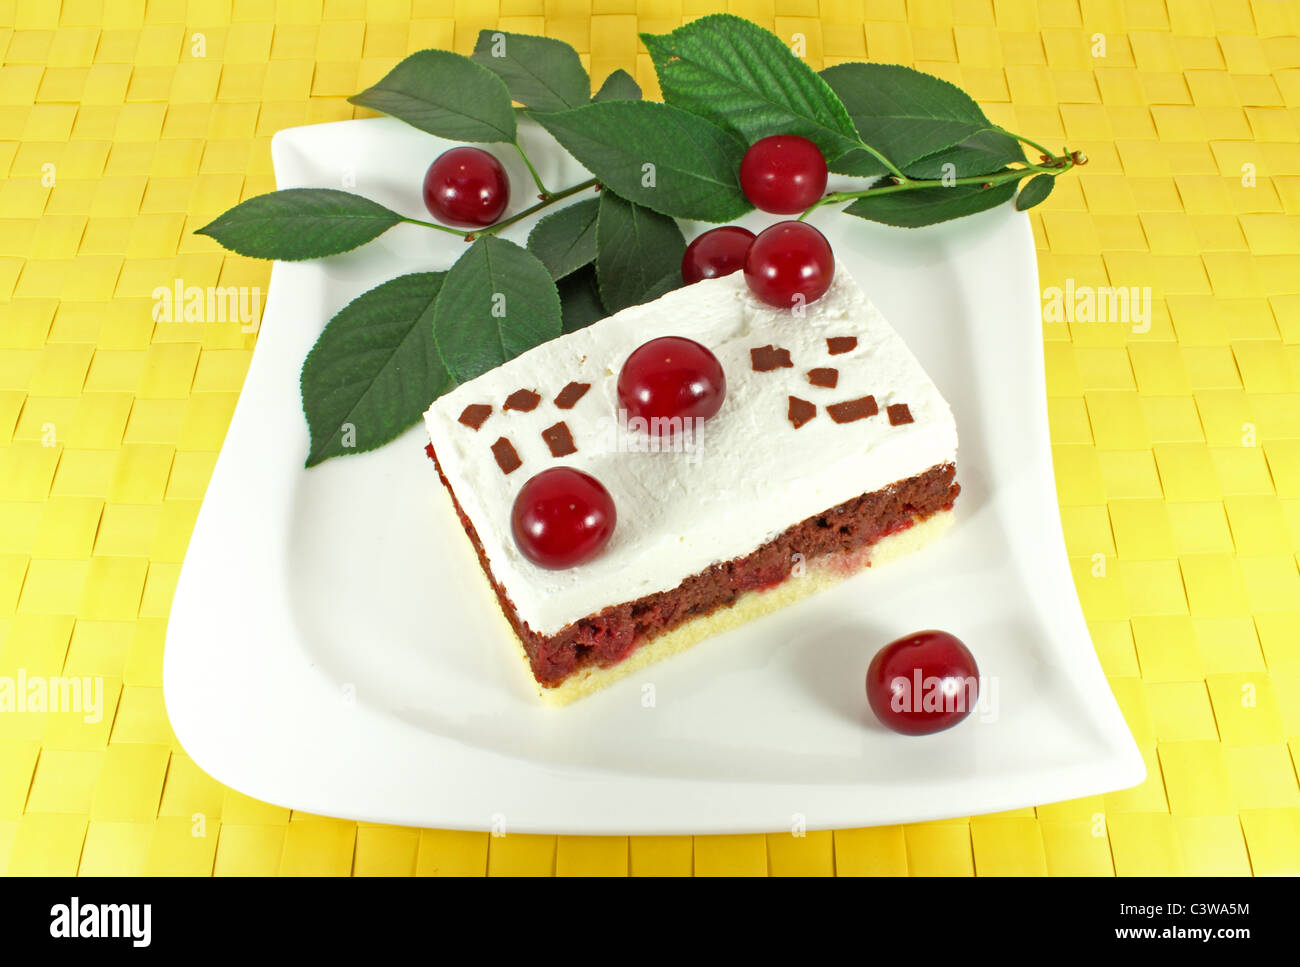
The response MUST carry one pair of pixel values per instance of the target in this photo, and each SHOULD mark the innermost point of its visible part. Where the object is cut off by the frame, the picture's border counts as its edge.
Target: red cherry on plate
(783, 174)
(466, 187)
(671, 379)
(718, 252)
(562, 517)
(789, 264)
(923, 683)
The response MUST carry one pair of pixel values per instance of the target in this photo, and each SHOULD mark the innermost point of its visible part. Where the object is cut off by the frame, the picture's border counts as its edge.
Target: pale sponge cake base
(820, 574)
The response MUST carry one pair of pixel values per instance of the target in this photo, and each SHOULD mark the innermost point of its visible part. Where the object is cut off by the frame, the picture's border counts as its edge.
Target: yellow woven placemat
(125, 124)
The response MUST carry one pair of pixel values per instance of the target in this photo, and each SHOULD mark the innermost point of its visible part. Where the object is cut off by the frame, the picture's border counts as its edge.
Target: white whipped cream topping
(752, 474)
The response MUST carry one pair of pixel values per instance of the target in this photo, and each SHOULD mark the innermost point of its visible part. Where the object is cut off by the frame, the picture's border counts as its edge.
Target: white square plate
(334, 647)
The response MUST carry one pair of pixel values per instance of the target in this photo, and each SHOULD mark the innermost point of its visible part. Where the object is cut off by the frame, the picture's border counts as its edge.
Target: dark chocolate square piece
(523, 400)
(851, 410)
(898, 414)
(824, 376)
(474, 415)
(506, 456)
(800, 412)
(559, 439)
(571, 394)
(764, 359)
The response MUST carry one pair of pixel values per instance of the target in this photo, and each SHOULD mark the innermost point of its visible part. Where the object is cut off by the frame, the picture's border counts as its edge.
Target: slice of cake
(832, 451)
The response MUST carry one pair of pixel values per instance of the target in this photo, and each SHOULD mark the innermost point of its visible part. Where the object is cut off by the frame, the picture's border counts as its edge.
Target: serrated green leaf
(928, 206)
(903, 113)
(580, 303)
(618, 86)
(300, 223)
(744, 79)
(497, 301)
(657, 156)
(565, 241)
(540, 72)
(374, 369)
(445, 94)
(981, 154)
(636, 250)
(1035, 192)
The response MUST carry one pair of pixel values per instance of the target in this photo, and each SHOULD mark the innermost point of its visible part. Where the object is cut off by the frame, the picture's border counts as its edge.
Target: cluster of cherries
(787, 262)
(783, 174)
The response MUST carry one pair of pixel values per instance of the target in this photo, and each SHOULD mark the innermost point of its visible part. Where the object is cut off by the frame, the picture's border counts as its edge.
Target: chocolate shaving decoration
(824, 376)
(523, 400)
(851, 410)
(475, 414)
(764, 359)
(841, 344)
(571, 394)
(898, 414)
(559, 439)
(507, 459)
(801, 411)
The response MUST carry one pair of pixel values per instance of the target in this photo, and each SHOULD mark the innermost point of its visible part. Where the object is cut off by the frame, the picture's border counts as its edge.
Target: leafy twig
(1055, 165)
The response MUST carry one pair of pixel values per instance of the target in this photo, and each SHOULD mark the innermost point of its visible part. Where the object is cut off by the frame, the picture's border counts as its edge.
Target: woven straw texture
(126, 124)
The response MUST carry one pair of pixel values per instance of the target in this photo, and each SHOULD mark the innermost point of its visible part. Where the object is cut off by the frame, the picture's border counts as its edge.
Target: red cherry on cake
(718, 252)
(466, 187)
(790, 264)
(783, 174)
(923, 683)
(562, 517)
(671, 378)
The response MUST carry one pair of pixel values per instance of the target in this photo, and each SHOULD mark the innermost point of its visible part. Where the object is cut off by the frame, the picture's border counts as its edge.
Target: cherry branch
(1053, 165)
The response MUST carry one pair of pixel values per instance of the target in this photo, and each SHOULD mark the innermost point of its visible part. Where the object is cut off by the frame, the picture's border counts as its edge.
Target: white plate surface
(333, 646)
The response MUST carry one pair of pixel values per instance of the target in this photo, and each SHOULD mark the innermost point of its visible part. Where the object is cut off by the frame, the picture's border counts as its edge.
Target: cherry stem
(1033, 144)
(549, 200)
(893, 169)
(441, 228)
(537, 180)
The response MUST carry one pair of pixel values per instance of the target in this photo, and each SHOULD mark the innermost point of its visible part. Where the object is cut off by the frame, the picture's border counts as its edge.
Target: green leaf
(300, 223)
(580, 302)
(497, 301)
(903, 113)
(637, 250)
(657, 156)
(672, 279)
(444, 94)
(744, 79)
(927, 206)
(859, 162)
(565, 241)
(1035, 192)
(374, 369)
(541, 73)
(980, 154)
(619, 86)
